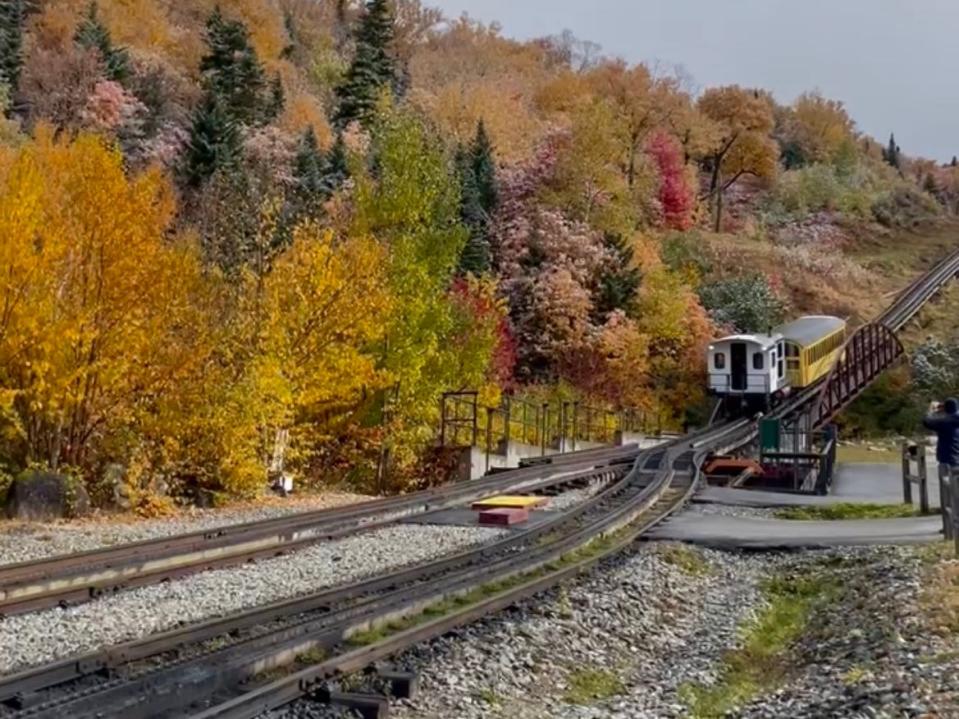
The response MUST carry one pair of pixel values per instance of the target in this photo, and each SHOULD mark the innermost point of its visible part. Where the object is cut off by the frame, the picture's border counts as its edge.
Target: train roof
(762, 340)
(808, 330)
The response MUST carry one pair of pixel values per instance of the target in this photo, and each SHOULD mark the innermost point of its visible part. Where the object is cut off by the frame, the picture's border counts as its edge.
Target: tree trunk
(716, 193)
(718, 225)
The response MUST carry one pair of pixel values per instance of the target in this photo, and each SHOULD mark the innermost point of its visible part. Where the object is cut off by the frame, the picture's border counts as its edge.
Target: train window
(757, 360)
(780, 369)
(719, 360)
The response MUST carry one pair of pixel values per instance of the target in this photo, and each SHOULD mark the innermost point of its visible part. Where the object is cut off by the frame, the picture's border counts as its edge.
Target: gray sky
(894, 63)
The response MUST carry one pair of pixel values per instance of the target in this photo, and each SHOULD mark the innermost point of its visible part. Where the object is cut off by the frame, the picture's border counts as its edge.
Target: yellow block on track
(510, 502)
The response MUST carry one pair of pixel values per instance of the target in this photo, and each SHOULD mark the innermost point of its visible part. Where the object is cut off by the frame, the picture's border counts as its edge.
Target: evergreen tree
(92, 34)
(277, 101)
(232, 70)
(308, 165)
(336, 170)
(475, 257)
(478, 199)
(619, 285)
(891, 153)
(11, 42)
(955, 162)
(484, 168)
(372, 69)
(214, 142)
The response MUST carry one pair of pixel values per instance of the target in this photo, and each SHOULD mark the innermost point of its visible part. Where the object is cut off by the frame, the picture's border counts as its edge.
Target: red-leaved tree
(676, 194)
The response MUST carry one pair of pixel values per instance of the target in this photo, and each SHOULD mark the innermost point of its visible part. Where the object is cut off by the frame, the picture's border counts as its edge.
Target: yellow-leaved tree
(93, 296)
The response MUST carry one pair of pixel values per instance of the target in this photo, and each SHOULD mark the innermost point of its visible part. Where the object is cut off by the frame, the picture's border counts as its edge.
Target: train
(753, 373)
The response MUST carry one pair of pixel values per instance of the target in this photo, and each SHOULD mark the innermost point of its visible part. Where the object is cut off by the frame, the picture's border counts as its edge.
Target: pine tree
(478, 198)
(214, 142)
(484, 168)
(955, 161)
(92, 34)
(336, 170)
(618, 285)
(373, 68)
(277, 102)
(308, 165)
(11, 42)
(891, 153)
(232, 70)
(475, 257)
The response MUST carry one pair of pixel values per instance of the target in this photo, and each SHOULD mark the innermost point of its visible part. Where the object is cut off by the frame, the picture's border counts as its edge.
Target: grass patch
(589, 685)
(488, 696)
(761, 661)
(316, 655)
(687, 558)
(593, 549)
(849, 510)
(861, 454)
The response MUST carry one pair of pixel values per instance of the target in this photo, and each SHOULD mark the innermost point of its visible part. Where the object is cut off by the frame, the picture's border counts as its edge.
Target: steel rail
(682, 457)
(75, 578)
(20, 685)
(480, 568)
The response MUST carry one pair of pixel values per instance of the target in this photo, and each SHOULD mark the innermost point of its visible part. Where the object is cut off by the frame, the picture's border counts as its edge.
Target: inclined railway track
(76, 578)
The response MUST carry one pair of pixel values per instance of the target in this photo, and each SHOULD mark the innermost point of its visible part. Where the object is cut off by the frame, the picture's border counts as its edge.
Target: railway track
(903, 309)
(177, 674)
(72, 579)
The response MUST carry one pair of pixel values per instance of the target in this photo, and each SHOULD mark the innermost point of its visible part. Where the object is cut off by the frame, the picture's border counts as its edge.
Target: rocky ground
(22, 541)
(634, 639)
(29, 639)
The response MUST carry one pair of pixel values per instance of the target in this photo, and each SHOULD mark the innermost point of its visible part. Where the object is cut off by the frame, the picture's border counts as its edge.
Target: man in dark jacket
(945, 424)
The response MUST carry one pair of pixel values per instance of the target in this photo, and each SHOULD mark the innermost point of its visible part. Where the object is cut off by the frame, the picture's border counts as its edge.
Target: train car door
(737, 366)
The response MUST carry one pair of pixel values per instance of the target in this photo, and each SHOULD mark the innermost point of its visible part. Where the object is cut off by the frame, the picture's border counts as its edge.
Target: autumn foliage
(228, 221)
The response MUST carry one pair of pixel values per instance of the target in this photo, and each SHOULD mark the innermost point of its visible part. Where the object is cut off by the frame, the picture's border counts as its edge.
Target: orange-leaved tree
(743, 120)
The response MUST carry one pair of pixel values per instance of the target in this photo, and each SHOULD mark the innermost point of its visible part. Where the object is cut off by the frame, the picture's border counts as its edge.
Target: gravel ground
(656, 620)
(35, 638)
(21, 541)
(644, 617)
(881, 651)
(568, 500)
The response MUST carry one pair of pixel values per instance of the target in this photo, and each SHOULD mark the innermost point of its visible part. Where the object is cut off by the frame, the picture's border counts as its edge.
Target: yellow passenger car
(813, 344)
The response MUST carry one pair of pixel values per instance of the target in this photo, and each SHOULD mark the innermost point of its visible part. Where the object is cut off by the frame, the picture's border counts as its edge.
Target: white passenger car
(749, 370)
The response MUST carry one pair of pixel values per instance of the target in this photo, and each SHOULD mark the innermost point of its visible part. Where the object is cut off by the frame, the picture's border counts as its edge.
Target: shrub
(904, 206)
(748, 304)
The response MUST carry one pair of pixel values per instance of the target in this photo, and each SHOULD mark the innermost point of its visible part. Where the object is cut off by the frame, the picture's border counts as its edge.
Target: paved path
(877, 483)
(754, 533)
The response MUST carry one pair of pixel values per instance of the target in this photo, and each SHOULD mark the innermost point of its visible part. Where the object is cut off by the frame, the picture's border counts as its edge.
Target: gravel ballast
(629, 642)
(31, 639)
(22, 542)
(653, 619)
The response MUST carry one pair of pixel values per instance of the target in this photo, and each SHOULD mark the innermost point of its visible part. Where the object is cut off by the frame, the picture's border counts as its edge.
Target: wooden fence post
(923, 479)
(906, 475)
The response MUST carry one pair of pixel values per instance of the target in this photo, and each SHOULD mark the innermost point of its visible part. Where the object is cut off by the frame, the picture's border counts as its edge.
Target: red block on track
(503, 517)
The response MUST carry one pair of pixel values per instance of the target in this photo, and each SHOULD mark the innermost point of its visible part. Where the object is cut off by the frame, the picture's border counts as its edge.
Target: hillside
(233, 220)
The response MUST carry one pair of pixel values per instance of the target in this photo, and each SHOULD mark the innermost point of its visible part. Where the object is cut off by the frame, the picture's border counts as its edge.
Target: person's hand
(935, 406)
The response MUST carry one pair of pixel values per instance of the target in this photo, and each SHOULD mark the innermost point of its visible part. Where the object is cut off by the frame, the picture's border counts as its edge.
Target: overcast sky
(894, 63)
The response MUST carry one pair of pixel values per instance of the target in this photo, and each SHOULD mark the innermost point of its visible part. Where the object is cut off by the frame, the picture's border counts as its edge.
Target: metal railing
(806, 472)
(559, 425)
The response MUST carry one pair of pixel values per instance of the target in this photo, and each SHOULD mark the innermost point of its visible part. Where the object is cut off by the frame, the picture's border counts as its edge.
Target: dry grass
(940, 589)
(857, 282)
